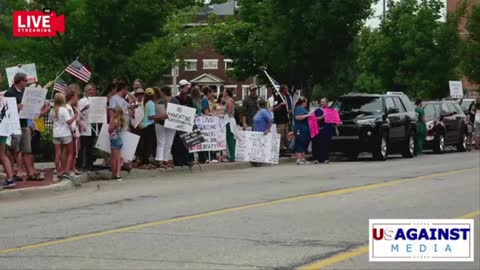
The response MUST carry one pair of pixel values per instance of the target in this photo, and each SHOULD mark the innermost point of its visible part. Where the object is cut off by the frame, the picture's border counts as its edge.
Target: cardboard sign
(32, 102)
(97, 112)
(214, 134)
(456, 89)
(180, 118)
(28, 69)
(192, 139)
(9, 120)
(130, 142)
(258, 147)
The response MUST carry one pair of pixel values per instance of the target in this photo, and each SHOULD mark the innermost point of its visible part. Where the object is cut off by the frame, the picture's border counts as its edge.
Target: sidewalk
(30, 189)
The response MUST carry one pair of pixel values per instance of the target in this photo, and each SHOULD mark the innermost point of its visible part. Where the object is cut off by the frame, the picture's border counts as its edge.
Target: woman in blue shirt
(321, 142)
(302, 130)
(263, 120)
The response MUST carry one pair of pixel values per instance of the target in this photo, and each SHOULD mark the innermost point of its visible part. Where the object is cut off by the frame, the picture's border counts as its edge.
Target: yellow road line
(359, 251)
(229, 210)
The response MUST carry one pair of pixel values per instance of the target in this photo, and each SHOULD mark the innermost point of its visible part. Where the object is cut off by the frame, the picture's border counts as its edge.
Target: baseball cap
(149, 91)
(183, 83)
(139, 91)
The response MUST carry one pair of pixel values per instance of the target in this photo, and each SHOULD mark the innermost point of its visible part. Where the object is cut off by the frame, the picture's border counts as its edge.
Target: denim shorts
(116, 143)
(62, 140)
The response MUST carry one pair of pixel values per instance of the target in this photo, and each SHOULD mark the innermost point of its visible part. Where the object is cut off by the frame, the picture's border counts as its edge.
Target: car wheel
(462, 144)
(439, 146)
(381, 151)
(409, 146)
(352, 156)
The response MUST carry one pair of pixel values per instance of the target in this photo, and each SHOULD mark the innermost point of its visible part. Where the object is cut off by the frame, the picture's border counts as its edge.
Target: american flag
(79, 71)
(60, 86)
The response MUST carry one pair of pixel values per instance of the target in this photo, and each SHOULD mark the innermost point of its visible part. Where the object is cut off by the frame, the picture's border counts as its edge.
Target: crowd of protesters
(144, 112)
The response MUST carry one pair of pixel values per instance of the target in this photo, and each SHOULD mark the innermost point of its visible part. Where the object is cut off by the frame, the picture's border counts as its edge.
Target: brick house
(451, 7)
(204, 66)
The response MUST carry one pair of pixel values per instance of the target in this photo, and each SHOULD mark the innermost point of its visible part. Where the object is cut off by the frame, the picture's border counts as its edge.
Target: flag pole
(271, 81)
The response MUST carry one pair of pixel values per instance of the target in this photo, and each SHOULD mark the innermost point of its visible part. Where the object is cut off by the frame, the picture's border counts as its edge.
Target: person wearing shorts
(7, 167)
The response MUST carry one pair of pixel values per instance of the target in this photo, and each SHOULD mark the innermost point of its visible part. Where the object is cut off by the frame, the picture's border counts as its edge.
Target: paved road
(271, 217)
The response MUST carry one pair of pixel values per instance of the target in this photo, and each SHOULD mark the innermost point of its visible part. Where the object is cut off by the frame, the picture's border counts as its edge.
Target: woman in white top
(72, 107)
(62, 135)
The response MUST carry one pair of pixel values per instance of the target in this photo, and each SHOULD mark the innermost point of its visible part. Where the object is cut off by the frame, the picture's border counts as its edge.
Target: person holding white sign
(87, 138)
(230, 113)
(164, 135)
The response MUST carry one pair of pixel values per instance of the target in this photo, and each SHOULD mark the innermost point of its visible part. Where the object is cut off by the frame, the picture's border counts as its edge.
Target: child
(62, 136)
(117, 123)
(72, 102)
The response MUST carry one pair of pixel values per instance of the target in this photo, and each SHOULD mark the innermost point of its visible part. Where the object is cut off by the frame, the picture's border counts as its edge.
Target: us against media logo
(397, 240)
(37, 23)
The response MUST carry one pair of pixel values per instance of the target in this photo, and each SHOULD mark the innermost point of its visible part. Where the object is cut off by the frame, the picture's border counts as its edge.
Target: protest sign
(97, 111)
(139, 115)
(456, 89)
(9, 120)
(32, 102)
(130, 142)
(214, 134)
(331, 116)
(193, 138)
(180, 117)
(258, 147)
(28, 69)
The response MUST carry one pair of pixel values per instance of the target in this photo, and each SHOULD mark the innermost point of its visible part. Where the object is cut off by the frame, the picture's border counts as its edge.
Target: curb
(35, 192)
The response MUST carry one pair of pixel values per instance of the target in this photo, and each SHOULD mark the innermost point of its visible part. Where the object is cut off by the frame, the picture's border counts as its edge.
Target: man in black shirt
(282, 107)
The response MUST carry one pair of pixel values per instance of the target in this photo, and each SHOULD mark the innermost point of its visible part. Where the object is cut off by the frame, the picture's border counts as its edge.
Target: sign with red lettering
(37, 23)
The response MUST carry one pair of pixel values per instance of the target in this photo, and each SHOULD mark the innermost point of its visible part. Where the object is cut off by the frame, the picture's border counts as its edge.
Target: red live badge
(37, 23)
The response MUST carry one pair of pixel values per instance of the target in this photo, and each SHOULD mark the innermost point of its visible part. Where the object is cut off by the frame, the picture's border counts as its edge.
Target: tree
(299, 41)
(106, 35)
(471, 48)
(413, 51)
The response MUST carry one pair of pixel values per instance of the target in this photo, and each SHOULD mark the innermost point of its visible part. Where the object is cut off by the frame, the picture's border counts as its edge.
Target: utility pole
(384, 9)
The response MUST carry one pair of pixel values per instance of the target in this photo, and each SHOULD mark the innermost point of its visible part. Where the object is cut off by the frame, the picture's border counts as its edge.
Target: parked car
(379, 124)
(446, 125)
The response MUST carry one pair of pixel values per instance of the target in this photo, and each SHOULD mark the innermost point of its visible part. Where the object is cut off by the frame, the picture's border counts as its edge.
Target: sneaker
(9, 183)
(306, 162)
(316, 162)
(118, 178)
(300, 162)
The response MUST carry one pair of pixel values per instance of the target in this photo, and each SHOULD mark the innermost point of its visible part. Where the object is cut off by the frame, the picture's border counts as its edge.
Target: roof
(207, 78)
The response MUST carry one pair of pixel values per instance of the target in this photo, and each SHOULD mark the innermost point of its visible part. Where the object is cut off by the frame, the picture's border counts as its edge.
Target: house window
(191, 65)
(233, 88)
(228, 64)
(245, 89)
(210, 64)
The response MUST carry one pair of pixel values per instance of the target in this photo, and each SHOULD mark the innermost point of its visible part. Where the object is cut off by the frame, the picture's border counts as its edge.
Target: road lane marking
(324, 194)
(359, 251)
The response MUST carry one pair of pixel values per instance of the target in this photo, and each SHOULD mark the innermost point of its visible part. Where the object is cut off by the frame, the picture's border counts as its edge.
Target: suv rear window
(366, 105)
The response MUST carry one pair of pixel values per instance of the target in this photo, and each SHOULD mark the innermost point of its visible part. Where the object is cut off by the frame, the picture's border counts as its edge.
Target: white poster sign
(258, 147)
(97, 112)
(9, 120)
(456, 89)
(32, 102)
(180, 118)
(28, 69)
(130, 142)
(215, 136)
(139, 115)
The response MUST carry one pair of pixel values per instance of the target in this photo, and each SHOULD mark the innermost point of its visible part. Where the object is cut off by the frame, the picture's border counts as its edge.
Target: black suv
(380, 124)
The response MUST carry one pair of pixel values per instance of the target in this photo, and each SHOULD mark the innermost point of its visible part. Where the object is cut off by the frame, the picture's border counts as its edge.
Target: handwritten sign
(28, 69)
(32, 102)
(130, 142)
(331, 116)
(258, 147)
(214, 134)
(456, 89)
(192, 139)
(97, 112)
(180, 118)
(9, 120)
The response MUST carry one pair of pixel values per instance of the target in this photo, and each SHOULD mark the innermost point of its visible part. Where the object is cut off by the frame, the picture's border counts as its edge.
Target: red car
(446, 125)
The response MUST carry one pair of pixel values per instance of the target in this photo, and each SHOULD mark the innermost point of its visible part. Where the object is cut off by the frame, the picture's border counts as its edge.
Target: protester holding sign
(164, 135)
(148, 128)
(230, 113)
(326, 130)
(72, 107)
(62, 137)
(262, 120)
(87, 138)
(181, 156)
(302, 130)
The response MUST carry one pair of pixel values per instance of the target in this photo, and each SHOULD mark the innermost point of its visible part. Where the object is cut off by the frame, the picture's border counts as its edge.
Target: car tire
(439, 144)
(380, 152)
(352, 156)
(409, 146)
(462, 144)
